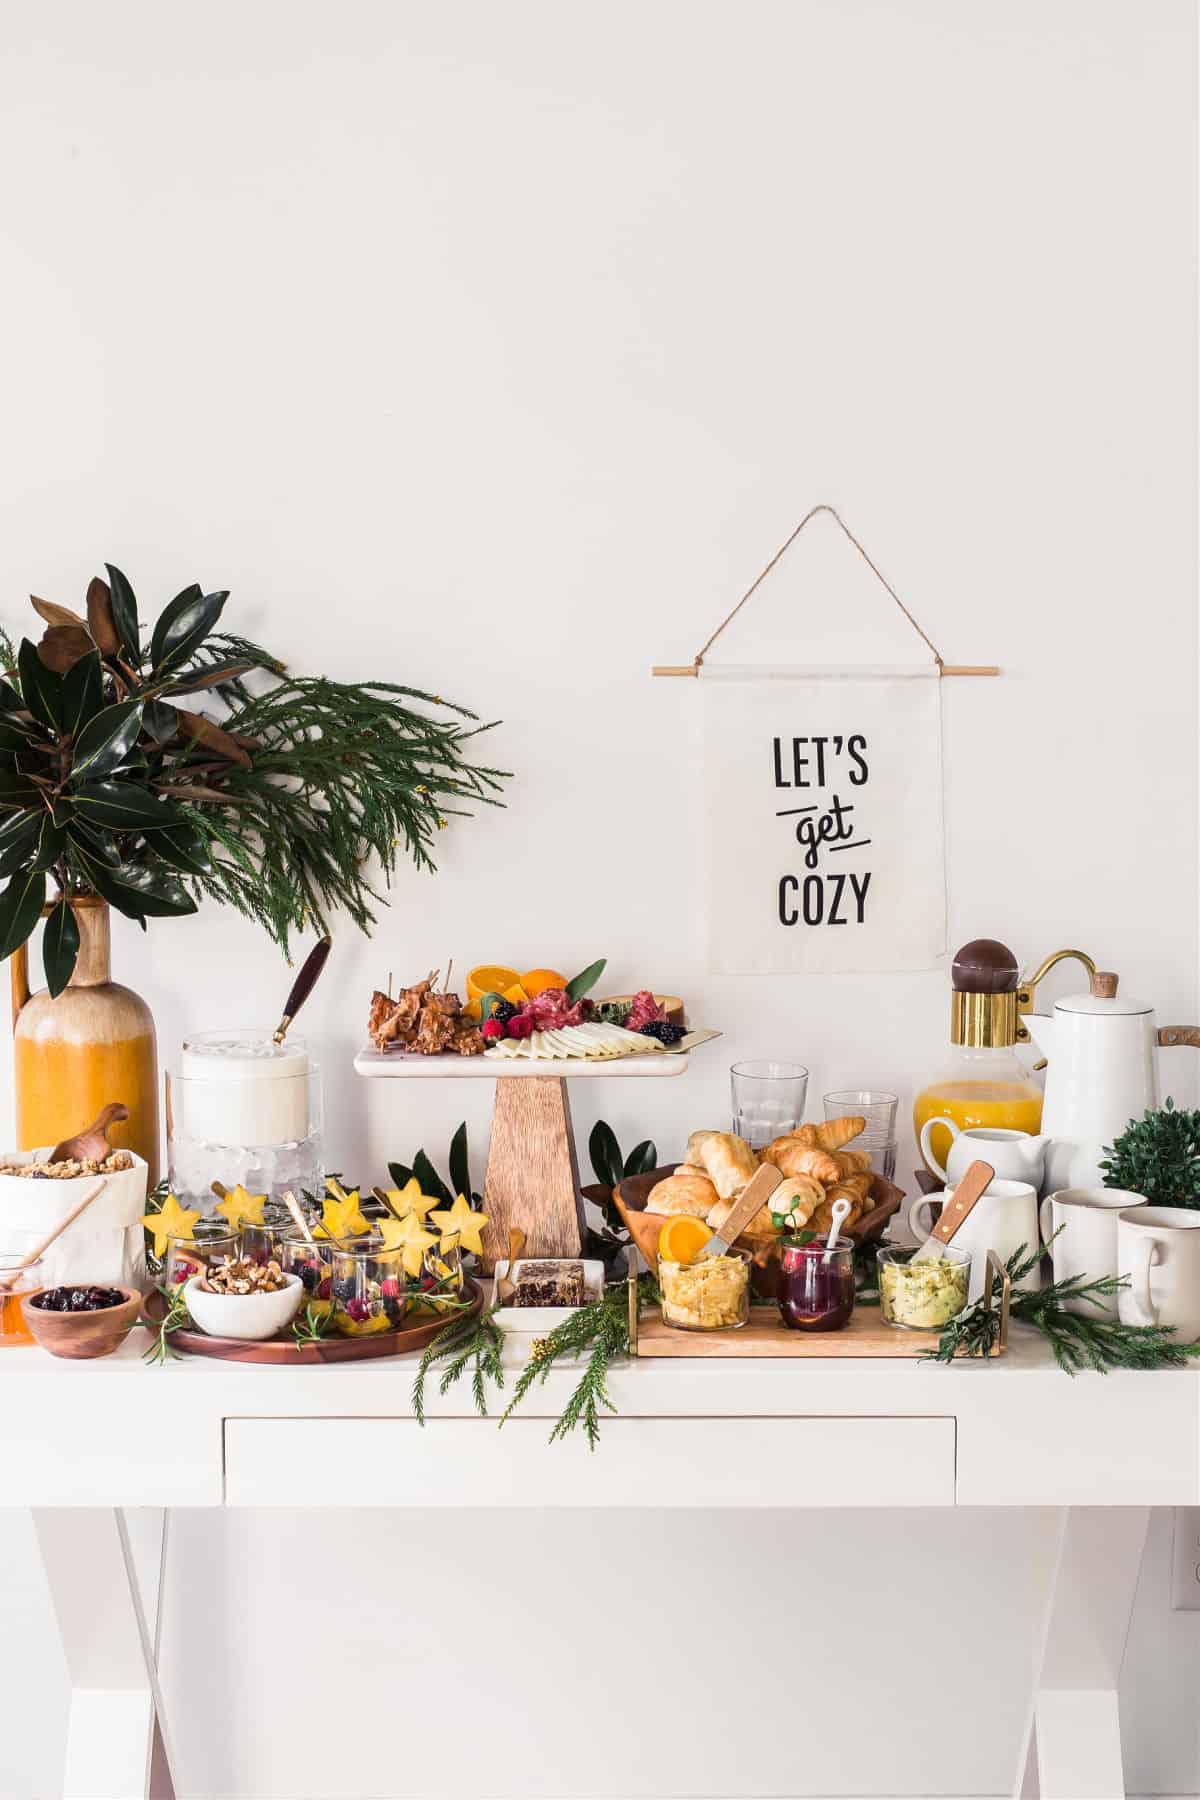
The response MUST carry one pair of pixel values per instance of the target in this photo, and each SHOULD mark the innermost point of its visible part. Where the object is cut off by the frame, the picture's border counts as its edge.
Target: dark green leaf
(50, 844)
(184, 847)
(123, 806)
(183, 626)
(191, 681)
(460, 1164)
(125, 615)
(160, 720)
(20, 909)
(19, 841)
(60, 947)
(10, 700)
(641, 1159)
(17, 734)
(140, 891)
(488, 1004)
(16, 791)
(82, 694)
(586, 980)
(106, 740)
(400, 1174)
(605, 1153)
(41, 688)
(93, 842)
(431, 1182)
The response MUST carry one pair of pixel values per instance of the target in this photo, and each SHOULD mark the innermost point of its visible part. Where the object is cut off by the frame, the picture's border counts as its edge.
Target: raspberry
(521, 1026)
(493, 1029)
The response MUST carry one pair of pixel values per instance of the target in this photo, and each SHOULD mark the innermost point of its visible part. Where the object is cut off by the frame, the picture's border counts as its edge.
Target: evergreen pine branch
(1078, 1341)
(602, 1329)
(477, 1341)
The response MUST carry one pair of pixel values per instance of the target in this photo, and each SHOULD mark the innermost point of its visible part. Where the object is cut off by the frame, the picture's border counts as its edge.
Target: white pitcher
(1003, 1218)
(1015, 1155)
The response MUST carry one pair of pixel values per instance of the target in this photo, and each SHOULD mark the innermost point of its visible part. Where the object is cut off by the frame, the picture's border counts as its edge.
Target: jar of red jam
(816, 1285)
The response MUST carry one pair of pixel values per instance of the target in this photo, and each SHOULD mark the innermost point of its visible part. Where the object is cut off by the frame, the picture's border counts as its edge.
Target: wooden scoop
(506, 1287)
(94, 1141)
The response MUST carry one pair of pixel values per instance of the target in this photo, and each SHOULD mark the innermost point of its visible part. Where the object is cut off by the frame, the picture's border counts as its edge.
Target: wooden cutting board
(865, 1335)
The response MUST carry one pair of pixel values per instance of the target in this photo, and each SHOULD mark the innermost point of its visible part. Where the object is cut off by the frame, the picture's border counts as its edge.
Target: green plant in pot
(149, 769)
(1158, 1155)
(611, 1167)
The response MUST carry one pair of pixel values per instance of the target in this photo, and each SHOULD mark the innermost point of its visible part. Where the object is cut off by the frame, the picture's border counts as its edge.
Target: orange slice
(537, 979)
(489, 978)
(516, 993)
(682, 1238)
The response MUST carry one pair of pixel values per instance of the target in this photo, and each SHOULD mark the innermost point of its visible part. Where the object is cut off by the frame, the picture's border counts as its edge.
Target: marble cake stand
(532, 1178)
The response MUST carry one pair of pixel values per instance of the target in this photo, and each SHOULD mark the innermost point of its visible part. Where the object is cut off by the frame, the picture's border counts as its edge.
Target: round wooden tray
(285, 1350)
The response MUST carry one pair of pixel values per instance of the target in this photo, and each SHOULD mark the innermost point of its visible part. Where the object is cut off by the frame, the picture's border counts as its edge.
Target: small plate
(539, 1321)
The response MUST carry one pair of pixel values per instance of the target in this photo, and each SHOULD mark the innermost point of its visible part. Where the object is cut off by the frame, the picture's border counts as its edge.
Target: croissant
(728, 1161)
(688, 1191)
(822, 1218)
(793, 1158)
(851, 1187)
(831, 1135)
(797, 1194)
(852, 1162)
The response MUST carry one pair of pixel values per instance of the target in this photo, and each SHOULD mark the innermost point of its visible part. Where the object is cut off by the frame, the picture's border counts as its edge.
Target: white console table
(98, 1455)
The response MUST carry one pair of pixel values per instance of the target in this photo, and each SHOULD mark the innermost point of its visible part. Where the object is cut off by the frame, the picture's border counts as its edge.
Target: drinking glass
(768, 1099)
(878, 1136)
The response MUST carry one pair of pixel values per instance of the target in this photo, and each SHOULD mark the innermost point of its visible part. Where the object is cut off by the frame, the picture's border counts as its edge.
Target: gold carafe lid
(983, 1004)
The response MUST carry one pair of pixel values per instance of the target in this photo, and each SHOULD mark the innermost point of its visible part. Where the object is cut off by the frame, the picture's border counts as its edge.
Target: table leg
(1072, 1743)
(532, 1178)
(104, 1567)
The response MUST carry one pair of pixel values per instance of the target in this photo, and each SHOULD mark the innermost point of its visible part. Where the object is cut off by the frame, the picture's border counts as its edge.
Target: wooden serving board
(766, 1335)
(286, 1351)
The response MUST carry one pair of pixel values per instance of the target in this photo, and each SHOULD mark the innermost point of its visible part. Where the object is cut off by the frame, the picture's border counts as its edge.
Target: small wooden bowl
(83, 1334)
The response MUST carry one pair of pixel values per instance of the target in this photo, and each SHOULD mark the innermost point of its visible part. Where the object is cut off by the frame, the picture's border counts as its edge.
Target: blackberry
(663, 1030)
(504, 1010)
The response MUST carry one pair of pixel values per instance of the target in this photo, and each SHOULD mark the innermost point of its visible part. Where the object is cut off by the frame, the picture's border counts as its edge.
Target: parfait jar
(366, 1291)
(816, 1285)
(185, 1257)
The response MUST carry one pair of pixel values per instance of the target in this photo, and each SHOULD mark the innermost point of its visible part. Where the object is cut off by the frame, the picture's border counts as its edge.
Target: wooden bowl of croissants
(818, 1167)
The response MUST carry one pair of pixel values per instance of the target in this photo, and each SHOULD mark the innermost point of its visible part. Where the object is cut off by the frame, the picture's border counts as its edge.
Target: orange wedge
(537, 979)
(516, 993)
(682, 1238)
(489, 978)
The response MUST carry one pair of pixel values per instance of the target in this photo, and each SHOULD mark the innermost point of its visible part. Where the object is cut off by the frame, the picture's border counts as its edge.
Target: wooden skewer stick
(10, 1275)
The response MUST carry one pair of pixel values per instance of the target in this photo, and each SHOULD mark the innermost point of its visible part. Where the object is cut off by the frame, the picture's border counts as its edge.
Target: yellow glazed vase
(92, 1045)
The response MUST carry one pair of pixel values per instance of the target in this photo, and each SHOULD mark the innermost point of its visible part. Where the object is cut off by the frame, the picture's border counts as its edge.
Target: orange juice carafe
(92, 1045)
(985, 1083)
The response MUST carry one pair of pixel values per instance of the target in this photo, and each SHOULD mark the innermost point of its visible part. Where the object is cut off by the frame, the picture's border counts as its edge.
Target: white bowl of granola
(105, 1245)
(252, 1316)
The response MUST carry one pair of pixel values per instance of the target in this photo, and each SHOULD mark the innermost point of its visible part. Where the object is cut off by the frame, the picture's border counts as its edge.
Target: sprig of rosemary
(1078, 1341)
(602, 1329)
(160, 1351)
(311, 1326)
(475, 1342)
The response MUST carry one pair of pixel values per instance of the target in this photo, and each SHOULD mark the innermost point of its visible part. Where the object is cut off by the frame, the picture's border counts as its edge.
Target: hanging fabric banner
(825, 851)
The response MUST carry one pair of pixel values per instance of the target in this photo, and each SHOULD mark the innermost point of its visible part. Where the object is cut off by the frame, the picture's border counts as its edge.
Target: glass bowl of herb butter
(922, 1296)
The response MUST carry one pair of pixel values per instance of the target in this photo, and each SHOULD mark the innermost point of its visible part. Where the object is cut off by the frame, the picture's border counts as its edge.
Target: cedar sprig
(160, 1351)
(1078, 1341)
(602, 1330)
(476, 1343)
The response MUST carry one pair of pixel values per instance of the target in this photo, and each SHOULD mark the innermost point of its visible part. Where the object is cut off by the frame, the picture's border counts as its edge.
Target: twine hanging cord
(943, 667)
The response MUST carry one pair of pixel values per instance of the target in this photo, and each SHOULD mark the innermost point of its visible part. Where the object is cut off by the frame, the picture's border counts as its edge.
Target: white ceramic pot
(1083, 1224)
(250, 1317)
(1014, 1155)
(1002, 1219)
(1158, 1247)
(105, 1245)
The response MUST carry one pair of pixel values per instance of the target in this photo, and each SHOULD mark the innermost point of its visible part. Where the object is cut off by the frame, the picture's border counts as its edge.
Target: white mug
(1158, 1248)
(1083, 1225)
(1002, 1219)
(1015, 1155)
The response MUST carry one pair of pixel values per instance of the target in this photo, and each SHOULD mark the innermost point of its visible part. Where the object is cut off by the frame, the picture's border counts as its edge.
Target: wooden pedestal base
(532, 1178)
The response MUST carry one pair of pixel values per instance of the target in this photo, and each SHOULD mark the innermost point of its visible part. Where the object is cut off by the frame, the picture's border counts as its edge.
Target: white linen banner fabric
(825, 848)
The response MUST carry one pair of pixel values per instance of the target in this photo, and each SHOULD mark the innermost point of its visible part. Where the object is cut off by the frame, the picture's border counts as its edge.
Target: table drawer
(640, 1462)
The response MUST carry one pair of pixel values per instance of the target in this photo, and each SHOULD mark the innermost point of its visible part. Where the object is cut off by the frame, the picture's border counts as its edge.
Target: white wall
(495, 349)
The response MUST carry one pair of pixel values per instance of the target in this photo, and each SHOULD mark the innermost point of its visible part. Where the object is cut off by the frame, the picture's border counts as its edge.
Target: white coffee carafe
(1101, 1075)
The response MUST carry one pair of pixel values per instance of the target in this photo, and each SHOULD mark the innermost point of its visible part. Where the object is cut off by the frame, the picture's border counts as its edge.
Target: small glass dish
(367, 1293)
(297, 1256)
(186, 1257)
(13, 1329)
(816, 1285)
(925, 1295)
(710, 1294)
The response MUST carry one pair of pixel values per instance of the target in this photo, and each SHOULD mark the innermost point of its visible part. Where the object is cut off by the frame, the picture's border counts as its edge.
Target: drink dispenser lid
(983, 1003)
